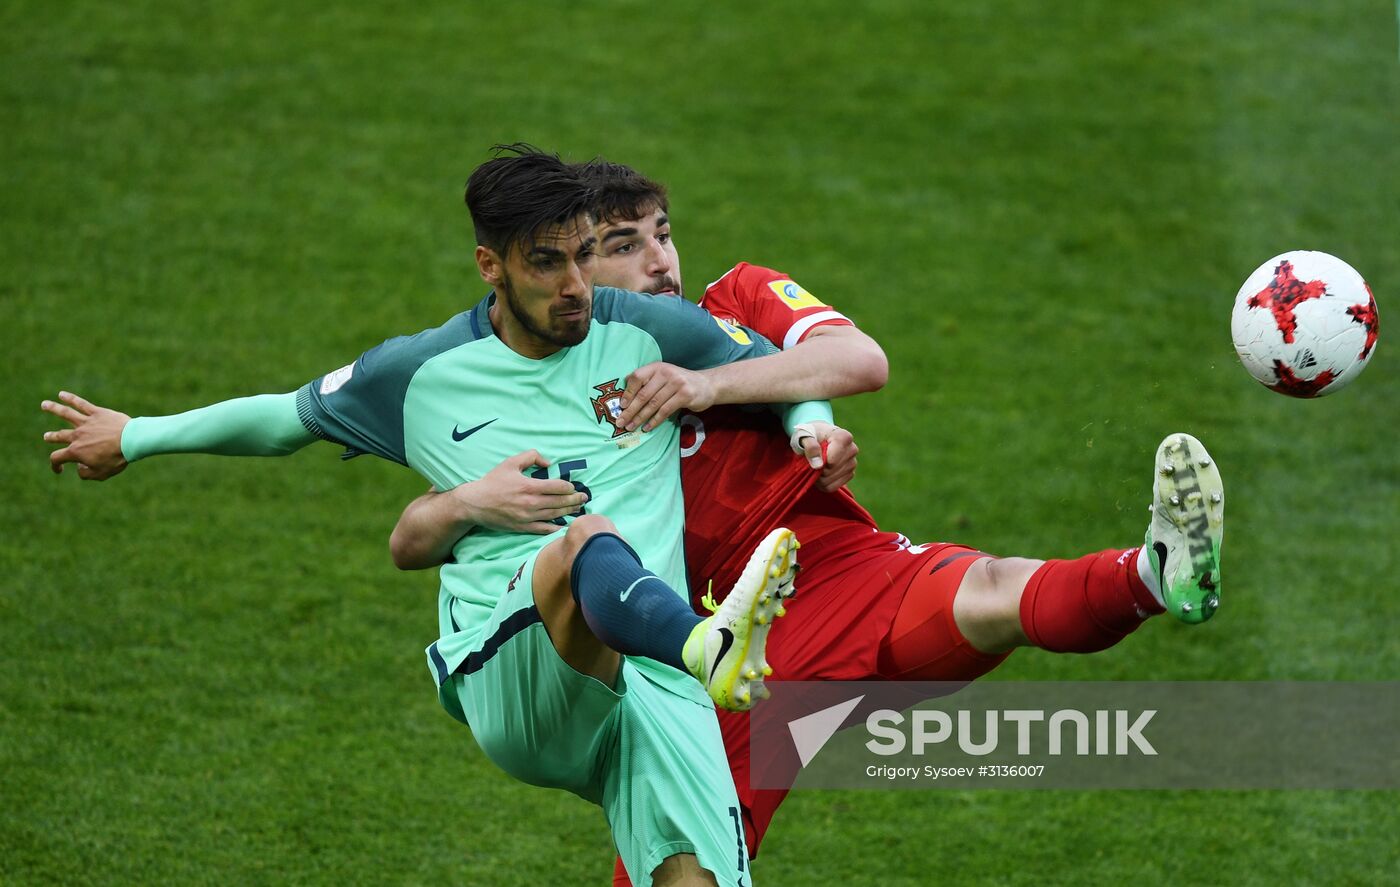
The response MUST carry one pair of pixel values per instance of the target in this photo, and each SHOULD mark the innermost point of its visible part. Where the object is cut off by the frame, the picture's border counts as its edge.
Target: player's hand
(833, 450)
(653, 393)
(94, 442)
(507, 499)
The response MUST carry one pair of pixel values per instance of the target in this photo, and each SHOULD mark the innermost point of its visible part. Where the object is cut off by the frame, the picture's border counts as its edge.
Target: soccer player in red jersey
(870, 605)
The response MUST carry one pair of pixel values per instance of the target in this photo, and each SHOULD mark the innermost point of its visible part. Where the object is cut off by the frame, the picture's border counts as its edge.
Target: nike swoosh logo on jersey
(726, 640)
(460, 436)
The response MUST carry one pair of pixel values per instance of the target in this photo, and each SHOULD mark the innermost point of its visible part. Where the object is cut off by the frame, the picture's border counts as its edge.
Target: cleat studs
(782, 611)
(1212, 602)
(762, 620)
(1204, 463)
(751, 674)
(1168, 470)
(767, 670)
(1175, 500)
(1151, 508)
(744, 696)
(1186, 607)
(1193, 498)
(1216, 498)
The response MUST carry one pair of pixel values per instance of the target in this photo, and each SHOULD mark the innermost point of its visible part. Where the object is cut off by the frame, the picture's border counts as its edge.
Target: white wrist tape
(806, 429)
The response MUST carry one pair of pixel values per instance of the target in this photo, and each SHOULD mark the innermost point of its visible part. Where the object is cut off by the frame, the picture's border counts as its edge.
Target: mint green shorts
(651, 758)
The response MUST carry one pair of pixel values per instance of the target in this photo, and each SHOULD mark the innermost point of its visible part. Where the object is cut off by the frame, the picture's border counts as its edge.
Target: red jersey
(741, 479)
(740, 476)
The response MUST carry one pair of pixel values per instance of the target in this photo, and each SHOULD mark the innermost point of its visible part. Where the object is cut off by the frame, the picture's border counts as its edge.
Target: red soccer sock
(1086, 605)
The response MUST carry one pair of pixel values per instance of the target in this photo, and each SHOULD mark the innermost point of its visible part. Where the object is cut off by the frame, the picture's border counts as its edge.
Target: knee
(987, 607)
(994, 585)
(555, 564)
(581, 529)
(1006, 577)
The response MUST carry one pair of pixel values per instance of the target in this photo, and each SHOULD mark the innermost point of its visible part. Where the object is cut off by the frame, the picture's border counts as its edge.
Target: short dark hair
(623, 193)
(521, 191)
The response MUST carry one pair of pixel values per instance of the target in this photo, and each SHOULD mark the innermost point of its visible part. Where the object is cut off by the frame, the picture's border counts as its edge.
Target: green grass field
(212, 674)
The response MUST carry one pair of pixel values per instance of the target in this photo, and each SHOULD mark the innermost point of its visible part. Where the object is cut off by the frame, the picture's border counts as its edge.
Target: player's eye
(664, 237)
(624, 249)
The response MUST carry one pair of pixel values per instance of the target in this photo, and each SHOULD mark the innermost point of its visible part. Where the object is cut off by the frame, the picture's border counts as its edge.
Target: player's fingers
(646, 410)
(812, 450)
(75, 401)
(62, 436)
(570, 503)
(639, 377)
(534, 506)
(641, 406)
(539, 528)
(554, 513)
(87, 473)
(527, 459)
(67, 414)
(675, 402)
(839, 451)
(548, 487)
(639, 410)
(633, 384)
(839, 478)
(59, 458)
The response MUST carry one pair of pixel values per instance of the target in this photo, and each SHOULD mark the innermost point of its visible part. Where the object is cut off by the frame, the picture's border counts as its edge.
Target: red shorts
(864, 607)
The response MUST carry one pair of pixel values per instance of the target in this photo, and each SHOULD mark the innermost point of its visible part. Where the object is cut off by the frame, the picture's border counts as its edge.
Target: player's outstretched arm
(101, 441)
(504, 499)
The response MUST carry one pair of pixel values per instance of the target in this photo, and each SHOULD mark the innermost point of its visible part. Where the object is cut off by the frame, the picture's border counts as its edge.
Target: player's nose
(577, 282)
(658, 260)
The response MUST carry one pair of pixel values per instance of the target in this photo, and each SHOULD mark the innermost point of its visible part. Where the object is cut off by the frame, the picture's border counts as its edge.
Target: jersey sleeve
(687, 335)
(360, 405)
(769, 302)
(262, 425)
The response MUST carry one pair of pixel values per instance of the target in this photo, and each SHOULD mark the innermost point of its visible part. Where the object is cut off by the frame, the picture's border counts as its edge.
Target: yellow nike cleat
(725, 651)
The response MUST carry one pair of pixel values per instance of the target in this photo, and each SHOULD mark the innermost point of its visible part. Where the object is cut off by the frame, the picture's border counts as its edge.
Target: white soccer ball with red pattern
(1305, 324)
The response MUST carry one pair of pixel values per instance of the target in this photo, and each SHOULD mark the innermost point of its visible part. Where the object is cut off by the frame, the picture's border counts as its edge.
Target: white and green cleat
(725, 651)
(1188, 525)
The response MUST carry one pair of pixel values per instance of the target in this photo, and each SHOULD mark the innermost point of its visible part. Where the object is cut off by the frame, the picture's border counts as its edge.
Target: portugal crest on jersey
(607, 406)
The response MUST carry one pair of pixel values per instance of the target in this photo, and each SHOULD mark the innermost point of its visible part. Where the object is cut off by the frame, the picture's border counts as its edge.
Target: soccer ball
(1304, 324)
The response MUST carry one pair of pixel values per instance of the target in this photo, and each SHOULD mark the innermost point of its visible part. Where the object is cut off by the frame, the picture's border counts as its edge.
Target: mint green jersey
(454, 402)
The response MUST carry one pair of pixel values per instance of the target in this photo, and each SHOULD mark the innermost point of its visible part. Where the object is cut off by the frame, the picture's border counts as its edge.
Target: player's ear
(490, 265)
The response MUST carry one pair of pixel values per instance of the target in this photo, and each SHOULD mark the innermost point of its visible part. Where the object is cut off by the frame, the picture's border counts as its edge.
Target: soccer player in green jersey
(575, 666)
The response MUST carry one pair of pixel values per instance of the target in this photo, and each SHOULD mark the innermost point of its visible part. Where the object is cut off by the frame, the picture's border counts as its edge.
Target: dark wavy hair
(622, 192)
(520, 192)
